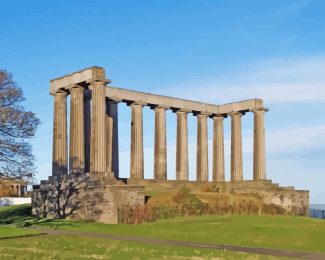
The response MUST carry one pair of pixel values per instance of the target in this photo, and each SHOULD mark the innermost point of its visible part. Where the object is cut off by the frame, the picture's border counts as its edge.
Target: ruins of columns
(137, 164)
(182, 146)
(236, 147)
(77, 153)
(93, 133)
(259, 171)
(160, 156)
(202, 173)
(60, 153)
(98, 136)
(112, 137)
(218, 149)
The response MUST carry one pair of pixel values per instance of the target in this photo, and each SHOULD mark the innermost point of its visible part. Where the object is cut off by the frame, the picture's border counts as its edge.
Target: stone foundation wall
(101, 198)
(82, 197)
(291, 201)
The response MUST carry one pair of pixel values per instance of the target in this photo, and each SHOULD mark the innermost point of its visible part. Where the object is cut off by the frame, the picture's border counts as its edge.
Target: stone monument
(85, 180)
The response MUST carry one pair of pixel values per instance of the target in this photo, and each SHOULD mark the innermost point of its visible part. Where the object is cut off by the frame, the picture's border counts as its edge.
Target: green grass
(292, 233)
(15, 214)
(74, 247)
(12, 231)
(12, 216)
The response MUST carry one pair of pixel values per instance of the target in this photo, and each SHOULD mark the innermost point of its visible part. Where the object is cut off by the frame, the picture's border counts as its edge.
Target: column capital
(160, 108)
(113, 101)
(202, 114)
(236, 113)
(75, 88)
(218, 117)
(182, 111)
(59, 93)
(259, 110)
(137, 104)
(98, 83)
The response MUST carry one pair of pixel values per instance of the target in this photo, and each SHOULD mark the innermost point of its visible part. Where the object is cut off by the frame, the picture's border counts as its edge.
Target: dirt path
(253, 250)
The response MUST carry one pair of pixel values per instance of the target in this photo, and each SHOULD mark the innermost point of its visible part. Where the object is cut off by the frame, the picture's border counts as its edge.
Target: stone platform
(99, 198)
(291, 201)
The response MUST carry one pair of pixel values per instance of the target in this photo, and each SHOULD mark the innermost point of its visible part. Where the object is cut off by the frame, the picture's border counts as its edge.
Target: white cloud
(281, 141)
(275, 81)
(270, 93)
(292, 140)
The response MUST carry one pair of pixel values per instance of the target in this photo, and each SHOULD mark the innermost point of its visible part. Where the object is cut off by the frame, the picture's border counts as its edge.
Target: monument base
(103, 198)
(267, 197)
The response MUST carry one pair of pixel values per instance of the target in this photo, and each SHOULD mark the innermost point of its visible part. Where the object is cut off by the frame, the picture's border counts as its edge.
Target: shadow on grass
(21, 216)
(15, 214)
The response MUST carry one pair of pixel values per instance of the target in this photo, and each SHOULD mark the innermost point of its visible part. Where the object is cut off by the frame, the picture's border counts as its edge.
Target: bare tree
(17, 127)
(66, 198)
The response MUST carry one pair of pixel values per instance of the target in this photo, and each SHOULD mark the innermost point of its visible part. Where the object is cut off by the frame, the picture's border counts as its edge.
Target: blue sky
(213, 51)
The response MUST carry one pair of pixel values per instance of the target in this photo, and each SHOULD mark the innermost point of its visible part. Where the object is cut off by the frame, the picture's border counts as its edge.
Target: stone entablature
(175, 104)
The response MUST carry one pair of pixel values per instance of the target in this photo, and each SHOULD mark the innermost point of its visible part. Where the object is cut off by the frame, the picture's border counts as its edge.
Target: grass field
(12, 231)
(73, 247)
(292, 233)
(10, 217)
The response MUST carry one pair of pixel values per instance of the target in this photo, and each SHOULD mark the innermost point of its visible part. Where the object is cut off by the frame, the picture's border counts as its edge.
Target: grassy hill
(282, 232)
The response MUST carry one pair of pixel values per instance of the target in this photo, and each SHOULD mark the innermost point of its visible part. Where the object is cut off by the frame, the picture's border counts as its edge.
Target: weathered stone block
(80, 197)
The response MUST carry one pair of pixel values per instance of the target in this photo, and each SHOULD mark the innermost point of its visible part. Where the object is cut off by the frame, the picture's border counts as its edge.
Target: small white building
(10, 201)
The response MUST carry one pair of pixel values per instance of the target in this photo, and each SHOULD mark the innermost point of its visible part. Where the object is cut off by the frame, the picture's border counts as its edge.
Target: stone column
(182, 146)
(236, 147)
(98, 133)
(77, 145)
(112, 138)
(259, 171)
(87, 127)
(59, 158)
(218, 149)
(160, 161)
(136, 168)
(202, 173)
(18, 191)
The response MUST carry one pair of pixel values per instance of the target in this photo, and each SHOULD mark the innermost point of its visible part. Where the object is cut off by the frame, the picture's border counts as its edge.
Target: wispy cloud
(280, 142)
(292, 140)
(275, 81)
